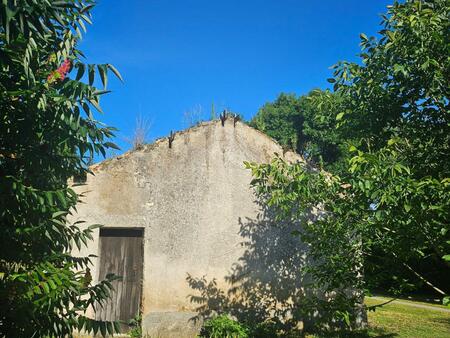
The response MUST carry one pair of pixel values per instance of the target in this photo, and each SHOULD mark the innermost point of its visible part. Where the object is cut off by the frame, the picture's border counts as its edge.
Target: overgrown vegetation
(223, 326)
(382, 207)
(391, 320)
(384, 201)
(379, 193)
(136, 327)
(305, 124)
(48, 134)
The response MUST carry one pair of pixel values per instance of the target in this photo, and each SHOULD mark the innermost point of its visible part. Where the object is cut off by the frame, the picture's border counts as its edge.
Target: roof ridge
(148, 146)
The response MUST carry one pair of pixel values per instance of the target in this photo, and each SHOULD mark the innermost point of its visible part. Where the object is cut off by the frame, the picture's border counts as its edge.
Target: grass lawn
(415, 301)
(398, 320)
(402, 321)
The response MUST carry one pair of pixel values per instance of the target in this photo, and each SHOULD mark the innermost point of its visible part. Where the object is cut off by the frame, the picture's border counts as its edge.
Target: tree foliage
(387, 206)
(304, 124)
(397, 113)
(48, 134)
(281, 120)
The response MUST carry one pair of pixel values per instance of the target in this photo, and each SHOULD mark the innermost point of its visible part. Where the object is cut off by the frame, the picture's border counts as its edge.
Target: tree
(281, 120)
(397, 111)
(48, 134)
(305, 124)
(323, 144)
(388, 206)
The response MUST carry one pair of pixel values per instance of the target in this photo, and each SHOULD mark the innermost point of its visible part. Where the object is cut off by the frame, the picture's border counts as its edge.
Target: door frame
(118, 232)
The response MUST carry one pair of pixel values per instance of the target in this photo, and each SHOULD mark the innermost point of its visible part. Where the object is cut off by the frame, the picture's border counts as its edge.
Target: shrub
(135, 327)
(224, 326)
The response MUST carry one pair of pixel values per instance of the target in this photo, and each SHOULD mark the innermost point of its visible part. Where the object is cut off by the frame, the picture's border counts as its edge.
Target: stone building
(183, 207)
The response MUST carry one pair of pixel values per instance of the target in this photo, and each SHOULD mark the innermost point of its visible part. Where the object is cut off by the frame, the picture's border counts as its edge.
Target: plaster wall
(189, 199)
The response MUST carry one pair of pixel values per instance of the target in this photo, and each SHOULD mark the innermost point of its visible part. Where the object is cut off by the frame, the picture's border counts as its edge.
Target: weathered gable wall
(189, 199)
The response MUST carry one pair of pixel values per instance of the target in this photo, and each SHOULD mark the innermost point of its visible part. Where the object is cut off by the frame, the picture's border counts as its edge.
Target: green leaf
(49, 196)
(116, 326)
(58, 214)
(103, 328)
(115, 71)
(378, 215)
(81, 69)
(391, 35)
(9, 14)
(45, 287)
(111, 145)
(102, 69)
(110, 328)
(96, 105)
(392, 141)
(101, 92)
(91, 71)
(52, 284)
(446, 301)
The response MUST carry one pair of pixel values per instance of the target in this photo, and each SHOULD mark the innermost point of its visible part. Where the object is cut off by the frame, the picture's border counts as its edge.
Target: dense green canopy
(387, 194)
(305, 124)
(48, 133)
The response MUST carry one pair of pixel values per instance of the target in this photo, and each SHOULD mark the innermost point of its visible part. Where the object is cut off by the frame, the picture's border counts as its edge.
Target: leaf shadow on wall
(266, 284)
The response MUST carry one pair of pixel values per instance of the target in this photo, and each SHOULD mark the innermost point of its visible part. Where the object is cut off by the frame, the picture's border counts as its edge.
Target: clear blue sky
(179, 54)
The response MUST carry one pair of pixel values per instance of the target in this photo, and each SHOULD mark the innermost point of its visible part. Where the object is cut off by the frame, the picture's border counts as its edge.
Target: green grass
(398, 320)
(412, 301)
(401, 321)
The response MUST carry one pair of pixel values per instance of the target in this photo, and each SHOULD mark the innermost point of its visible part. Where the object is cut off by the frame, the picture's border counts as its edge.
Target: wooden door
(121, 253)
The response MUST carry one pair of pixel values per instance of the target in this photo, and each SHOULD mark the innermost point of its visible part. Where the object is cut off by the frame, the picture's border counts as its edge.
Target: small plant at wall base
(223, 326)
(136, 327)
(48, 134)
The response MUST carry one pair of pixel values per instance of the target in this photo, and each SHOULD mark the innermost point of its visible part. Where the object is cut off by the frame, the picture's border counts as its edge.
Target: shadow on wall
(269, 283)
